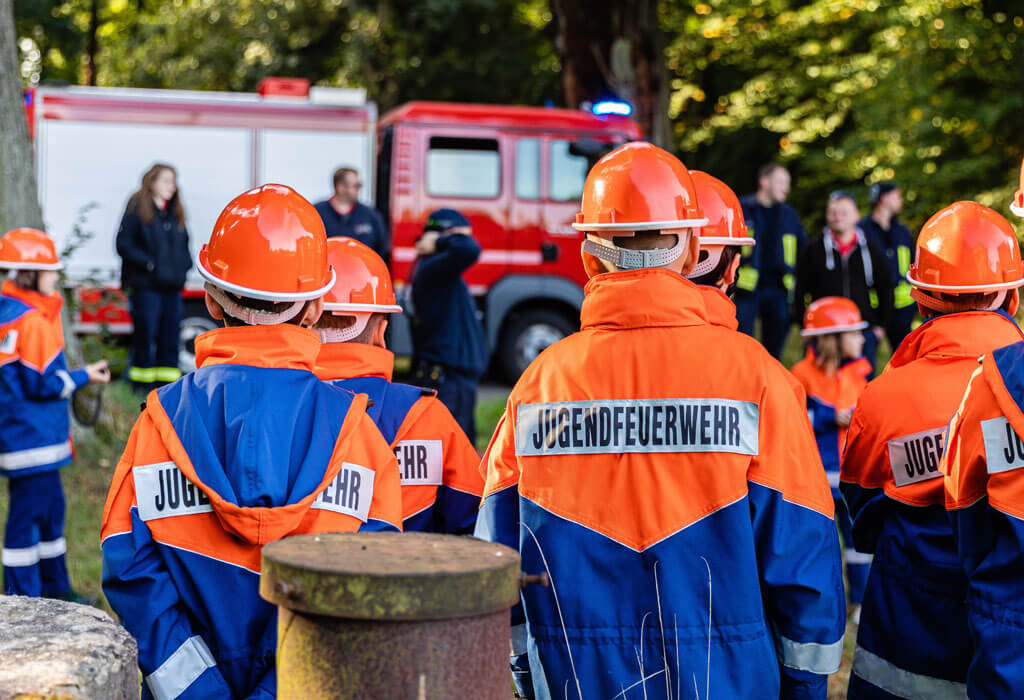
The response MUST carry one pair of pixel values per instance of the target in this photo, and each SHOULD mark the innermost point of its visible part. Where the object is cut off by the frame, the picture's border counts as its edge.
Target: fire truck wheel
(526, 334)
(191, 328)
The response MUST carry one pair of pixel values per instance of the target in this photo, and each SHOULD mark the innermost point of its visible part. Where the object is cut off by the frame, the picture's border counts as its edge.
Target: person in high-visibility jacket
(249, 448)
(660, 470)
(833, 374)
(721, 244)
(35, 388)
(441, 481)
(913, 638)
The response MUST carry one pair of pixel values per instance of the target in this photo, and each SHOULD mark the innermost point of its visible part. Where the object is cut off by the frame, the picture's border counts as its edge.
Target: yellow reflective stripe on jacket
(789, 249)
(166, 374)
(747, 278)
(142, 374)
(789, 281)
(873, 298)
(902, 298)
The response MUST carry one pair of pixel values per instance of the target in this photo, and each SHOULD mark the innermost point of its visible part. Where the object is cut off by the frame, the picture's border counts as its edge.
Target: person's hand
(879, 332)
(427, 244)
(843, 417)
(98, 372)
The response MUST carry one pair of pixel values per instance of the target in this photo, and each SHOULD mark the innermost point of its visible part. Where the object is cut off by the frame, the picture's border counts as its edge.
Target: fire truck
(516, 172)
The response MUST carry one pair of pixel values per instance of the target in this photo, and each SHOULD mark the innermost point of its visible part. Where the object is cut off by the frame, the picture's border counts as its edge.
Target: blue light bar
(612, 107)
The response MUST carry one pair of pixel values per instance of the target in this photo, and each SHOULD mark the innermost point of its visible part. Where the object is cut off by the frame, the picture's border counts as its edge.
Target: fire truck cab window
(458, 167)
(528, 169)
(567, 173)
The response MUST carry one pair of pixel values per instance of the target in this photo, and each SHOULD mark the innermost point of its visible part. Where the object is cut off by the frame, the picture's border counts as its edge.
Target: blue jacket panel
(35, 387)
(768, 225)
(676, 615)
(446, 329)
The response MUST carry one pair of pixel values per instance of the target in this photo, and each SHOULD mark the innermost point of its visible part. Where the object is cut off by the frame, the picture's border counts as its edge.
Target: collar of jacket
(721, 309)
(967, 334)
(348, 360)
(647, 298)
(49, 306)
(284, 346)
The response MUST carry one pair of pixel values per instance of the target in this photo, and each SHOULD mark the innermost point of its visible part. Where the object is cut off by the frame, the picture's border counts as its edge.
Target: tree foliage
(846, 92)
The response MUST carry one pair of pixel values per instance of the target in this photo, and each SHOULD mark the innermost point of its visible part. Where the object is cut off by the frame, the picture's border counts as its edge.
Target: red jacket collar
(283, 346)
(347, 360)
(49, 306)
(652, 297)
(967, 334)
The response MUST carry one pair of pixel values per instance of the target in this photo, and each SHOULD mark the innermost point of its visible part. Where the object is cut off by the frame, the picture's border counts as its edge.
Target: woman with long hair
(153, 244)
(834, 374)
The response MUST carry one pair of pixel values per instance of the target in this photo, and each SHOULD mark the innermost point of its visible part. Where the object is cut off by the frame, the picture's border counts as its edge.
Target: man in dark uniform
(449, 346)
(884, 229)
(344, 215)
(764, 286)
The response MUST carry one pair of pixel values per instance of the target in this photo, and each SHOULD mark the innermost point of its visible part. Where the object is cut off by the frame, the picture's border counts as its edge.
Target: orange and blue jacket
(826, 395)
(662, 472)
(440, 469)
(913, 623)
(35, 384)
(984, 495)
(248, 449)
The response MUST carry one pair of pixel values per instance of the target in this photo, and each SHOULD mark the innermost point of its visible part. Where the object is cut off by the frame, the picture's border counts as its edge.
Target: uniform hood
(347, 360)
(968, 334)
(49, 306)
(261, 461)
(647, 298)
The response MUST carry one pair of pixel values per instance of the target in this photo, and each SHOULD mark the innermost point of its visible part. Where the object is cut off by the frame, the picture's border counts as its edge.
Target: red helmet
(1017, 205)
(636, 187)
(28, 249)
(726, 224)
(268, 243)
(363, 283)
(967, 248)
(832, 315)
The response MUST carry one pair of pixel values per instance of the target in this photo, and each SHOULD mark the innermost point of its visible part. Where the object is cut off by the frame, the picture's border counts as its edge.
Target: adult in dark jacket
(153, 244)
(344, 215)
(842, 262)
(765, 281)
(450, 350)
(885, 230)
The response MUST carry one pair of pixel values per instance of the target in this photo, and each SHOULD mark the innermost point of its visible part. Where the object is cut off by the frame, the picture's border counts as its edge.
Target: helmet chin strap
(344, 335)
(627, 259)
(708, 264)
(948, 306)
(253, 317)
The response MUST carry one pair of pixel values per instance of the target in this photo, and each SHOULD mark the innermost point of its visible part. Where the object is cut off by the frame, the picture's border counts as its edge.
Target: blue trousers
(857, 564)
(34, 547)
(870, 350)
(899, 326)
(772, 307)
(156, 321)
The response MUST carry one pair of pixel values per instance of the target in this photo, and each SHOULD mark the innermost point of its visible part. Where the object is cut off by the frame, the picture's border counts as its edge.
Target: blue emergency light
(612, 107)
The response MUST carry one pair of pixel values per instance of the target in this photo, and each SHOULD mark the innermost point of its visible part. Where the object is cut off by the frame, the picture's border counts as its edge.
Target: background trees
(845, 92)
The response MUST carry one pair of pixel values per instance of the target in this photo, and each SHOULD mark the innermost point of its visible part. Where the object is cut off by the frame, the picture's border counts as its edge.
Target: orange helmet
(832, 315)
(636, 187)
(966, 248)
(1017, 205)
(721, 206)
(268, 243)
(363, 283)
(28, 249)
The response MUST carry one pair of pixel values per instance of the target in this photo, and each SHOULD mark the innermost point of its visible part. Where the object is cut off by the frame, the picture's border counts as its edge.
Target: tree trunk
(19, 201)
(91, 46)
(618, 47)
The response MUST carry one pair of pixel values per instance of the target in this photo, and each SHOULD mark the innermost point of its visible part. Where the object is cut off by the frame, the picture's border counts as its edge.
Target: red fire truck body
(515, 172)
